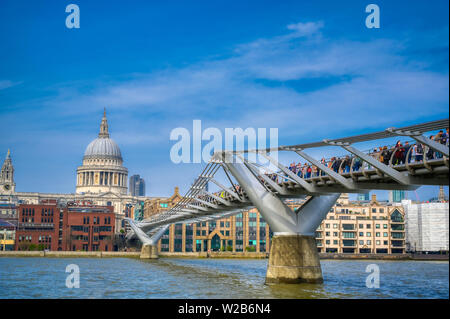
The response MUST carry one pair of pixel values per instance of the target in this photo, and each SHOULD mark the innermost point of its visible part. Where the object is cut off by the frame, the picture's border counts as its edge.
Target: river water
(214, 278)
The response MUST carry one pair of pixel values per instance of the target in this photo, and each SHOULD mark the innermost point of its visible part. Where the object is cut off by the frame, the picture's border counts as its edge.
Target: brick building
(65, 226)
(89, 227)
(36, 227)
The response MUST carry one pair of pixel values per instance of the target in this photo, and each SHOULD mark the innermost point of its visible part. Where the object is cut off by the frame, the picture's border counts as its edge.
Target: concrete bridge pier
(293, 254)
(293, 259)
(149, 252)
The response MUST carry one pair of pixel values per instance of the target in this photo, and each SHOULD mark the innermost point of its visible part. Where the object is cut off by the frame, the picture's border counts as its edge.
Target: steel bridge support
(293, 253)
(149, 243)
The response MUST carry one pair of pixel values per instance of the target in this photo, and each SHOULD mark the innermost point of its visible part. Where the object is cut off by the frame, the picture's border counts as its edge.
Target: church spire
(7, 170)
(104, 126)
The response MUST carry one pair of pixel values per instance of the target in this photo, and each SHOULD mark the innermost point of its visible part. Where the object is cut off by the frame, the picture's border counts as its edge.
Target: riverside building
(8, 225)
(350, 227)
(75, 226)
(427, 226)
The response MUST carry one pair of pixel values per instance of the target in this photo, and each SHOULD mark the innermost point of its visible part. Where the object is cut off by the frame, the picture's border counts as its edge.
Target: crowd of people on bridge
(398, 154)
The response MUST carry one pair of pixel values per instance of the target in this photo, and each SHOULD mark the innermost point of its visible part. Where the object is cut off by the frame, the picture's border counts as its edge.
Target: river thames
(214, 278)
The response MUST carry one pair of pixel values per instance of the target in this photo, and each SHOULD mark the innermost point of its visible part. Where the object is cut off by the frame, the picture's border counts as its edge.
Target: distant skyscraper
(396, 196)
(441, 197)
(137, 186)
(363, 197)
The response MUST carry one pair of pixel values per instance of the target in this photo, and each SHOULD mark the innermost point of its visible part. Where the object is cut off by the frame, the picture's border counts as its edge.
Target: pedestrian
(418, 150)
(405, 154)
(430, 152)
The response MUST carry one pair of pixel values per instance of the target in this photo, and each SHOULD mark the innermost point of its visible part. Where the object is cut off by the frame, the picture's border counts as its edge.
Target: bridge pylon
(293, 254)
(149, 242)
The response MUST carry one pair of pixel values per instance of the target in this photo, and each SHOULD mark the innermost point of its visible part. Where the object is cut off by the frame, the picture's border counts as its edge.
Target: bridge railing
(388, 154)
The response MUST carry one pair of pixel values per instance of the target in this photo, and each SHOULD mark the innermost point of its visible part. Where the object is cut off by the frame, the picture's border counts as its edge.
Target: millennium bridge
(293, 254)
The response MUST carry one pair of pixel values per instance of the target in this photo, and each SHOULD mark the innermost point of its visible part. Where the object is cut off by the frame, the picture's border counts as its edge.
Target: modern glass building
(363, 197)
(137, 186)
(396, 196)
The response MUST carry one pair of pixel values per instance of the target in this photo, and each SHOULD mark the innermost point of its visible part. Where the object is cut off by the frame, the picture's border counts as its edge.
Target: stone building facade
(354, 227)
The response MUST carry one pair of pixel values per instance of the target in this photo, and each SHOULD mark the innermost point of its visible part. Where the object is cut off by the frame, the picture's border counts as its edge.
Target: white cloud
(4, 84)
(305, 29)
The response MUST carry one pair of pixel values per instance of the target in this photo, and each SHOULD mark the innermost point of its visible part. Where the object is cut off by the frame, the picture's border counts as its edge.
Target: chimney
(374, 199)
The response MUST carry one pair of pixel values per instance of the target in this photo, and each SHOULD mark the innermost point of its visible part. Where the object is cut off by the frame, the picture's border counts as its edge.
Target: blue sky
(311, 69)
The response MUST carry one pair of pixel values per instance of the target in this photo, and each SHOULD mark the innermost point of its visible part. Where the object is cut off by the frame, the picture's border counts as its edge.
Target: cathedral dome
(103, 146)
(102, 170)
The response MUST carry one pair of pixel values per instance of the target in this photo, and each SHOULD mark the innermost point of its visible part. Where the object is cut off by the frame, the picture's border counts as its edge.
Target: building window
(368, 234)
(348, 226)
(385, 234)
(396, 216)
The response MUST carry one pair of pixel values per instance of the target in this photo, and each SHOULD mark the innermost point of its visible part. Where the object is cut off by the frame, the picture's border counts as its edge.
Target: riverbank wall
(235, 255)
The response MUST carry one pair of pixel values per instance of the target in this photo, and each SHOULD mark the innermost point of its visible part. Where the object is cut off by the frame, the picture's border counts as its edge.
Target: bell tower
(7, 185)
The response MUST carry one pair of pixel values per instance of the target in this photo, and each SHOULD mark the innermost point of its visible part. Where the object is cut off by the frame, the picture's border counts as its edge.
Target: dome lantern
(104, 126)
